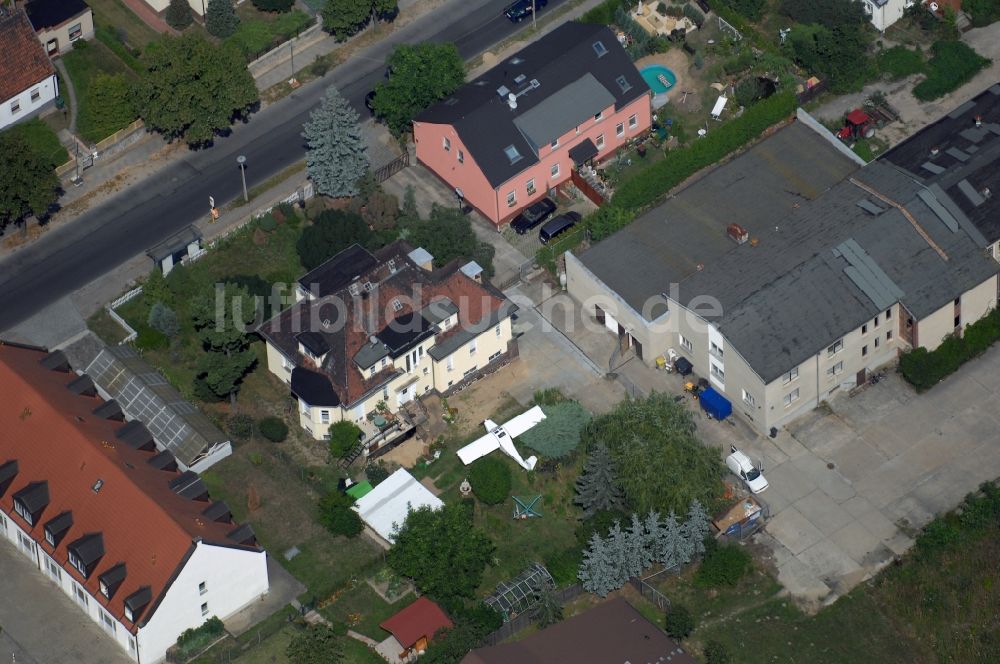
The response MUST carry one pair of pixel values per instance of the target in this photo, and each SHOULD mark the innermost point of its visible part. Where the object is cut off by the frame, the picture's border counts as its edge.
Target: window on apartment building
(835, 348)
(324, 416)
(875, 322)
(494, 356)
(75, 32)
(888, 314)
(958, 301)
(864, 351)
(877, 340)
(451, 363)
(790, 376)
(530, 186)
(54, 570)
(554, 171)
(80, 595)
(864, 329)
(511, 199)
(461, 157)
(888, 335)
(3, 523)
(107, 621)
(748, 399)
(715, 350)
(554, 144)
(131, 641)
(835, 369)
(202, 587)
(686, 343)
(472, 347)
(599, 143)
(204, 609)
(385, 392)
(35, 95)
(791, 397)
(15, 106)
(446, 143)
(427, 370)
(303, 407)
(497, 330)
(718, 372)
(599, 116)
(633, 121)
(469, 372)
(23, 512)
(958, 321)
(385, 361)
(620, 129)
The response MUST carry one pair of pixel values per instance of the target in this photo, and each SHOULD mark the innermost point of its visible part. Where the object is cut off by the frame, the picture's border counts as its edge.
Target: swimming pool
(652, 75)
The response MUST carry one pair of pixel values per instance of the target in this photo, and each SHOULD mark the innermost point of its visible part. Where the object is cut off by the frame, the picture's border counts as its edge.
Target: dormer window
(31, 500)
(136, 602)
(111, 580)
(129, 616)
(85, 552)
(57, 528)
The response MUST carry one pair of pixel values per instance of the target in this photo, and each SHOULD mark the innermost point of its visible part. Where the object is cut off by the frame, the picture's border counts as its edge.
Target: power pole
(534, 25)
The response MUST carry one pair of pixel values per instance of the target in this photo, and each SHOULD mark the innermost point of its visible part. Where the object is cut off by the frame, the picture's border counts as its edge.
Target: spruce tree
(697, 527)
(599, 569)
(179, 14)
(337, 155)
(597, 487)
(637, 548)
(548, 610)
(220, 18)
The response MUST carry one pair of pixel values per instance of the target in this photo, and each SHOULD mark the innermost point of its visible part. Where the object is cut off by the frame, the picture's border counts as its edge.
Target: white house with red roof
(111, 521)
(371, 332)
(27, 78)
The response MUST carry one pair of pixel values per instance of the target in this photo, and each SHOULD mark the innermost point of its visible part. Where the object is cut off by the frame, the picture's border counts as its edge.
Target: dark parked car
(533, 215)
(558, 226)
(522, 9)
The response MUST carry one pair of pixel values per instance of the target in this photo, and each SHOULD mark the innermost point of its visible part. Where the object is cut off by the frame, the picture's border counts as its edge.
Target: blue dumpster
(715, 404)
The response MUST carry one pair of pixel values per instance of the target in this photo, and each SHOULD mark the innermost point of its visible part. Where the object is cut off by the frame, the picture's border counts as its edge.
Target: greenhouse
(514, 596)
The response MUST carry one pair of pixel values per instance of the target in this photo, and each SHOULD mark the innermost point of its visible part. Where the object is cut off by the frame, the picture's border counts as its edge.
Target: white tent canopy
(720, 105)
(387, 505)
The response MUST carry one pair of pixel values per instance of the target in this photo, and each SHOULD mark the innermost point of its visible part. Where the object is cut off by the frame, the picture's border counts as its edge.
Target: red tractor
(857, 124)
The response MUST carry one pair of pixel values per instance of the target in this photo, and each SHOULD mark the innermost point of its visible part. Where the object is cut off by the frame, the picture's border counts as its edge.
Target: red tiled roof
(23, 62)
(54, 436)
(421, 619)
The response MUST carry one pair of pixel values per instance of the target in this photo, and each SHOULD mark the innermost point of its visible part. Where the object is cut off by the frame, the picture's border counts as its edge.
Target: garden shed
(520, 593)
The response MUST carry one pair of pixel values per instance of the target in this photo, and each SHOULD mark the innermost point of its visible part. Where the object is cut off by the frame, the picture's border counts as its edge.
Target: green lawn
(123, 22)
(362, 609)
(42, 139)
(95, 120)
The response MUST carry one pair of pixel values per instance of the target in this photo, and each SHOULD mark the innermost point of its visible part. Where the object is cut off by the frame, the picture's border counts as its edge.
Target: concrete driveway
(851, 483)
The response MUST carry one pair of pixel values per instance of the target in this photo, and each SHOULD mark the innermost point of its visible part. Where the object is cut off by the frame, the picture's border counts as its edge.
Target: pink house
(518, 131)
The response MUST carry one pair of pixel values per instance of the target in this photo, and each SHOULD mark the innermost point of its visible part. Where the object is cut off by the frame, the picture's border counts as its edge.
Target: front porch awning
(584, 152)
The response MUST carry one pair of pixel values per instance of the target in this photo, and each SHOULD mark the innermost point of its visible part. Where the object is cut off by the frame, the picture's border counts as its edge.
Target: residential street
(101, 239)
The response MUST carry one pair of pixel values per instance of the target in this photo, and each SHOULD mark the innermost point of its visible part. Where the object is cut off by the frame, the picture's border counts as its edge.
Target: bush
(490, 479)
(750, 9)
(652, 185)
(332, 232)
(564, 565)
(149, 338)
(240, 426)
(983, 12)
(336, 515)
(273, 5)
(344, 437)
(695, 16)
(954, 63)
(178, 16)
(163, 319)
(716, 652)
(679, 621)
(195, 639)
(267, 223)
(724, 565)
(273, 428)
(376, 472)
(924, 369)
(899, 62)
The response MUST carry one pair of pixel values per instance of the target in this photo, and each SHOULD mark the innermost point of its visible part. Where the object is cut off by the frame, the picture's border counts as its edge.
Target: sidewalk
(149, 17)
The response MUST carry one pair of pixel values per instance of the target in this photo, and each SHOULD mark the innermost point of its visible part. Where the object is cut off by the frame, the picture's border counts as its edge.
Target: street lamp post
(242, 161)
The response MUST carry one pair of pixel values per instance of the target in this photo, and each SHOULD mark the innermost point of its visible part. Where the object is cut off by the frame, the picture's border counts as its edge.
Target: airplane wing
(478, 448)
(518, 425)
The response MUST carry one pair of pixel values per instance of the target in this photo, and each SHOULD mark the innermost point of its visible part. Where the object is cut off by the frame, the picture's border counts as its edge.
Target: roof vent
(520, 78)
(737, 233)
(373, 340)
(392, 265)
(97, 486)
(512, 100)
(979, 121)
(516, 60)
(503, 91)
(935, 150)
(354, 290)
(986, 192)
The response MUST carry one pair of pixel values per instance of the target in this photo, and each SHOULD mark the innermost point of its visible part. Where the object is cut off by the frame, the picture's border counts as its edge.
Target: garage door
(610, 322)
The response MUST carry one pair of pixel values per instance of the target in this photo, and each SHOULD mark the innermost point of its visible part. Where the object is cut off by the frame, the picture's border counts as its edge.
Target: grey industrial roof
(567, 108)
(962, 160)
(145, 395)
(813, 269)
(559, 66)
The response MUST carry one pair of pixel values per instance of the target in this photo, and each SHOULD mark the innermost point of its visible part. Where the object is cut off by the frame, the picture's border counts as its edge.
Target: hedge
(954, 64)
(924, 369)
(652, 185)
(254, 37)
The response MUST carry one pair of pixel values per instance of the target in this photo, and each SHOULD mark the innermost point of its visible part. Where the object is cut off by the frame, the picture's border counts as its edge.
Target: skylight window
(353, 289)
(520, 78)
(623, 83)
(397, 305)
(512, 154)
(600, 49)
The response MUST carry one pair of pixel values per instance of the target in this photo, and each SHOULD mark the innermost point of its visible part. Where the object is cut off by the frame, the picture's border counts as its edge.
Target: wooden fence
(588, 189)
(386, 171)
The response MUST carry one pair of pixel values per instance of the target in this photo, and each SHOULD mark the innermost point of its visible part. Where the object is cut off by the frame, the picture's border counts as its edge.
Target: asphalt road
(107, 236)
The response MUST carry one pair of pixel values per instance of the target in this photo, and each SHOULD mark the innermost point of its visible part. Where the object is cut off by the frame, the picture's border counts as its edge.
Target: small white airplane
(500, 436)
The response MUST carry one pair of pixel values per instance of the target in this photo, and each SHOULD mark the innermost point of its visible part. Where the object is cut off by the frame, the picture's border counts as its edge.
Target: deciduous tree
(421, 75)
(223, 320)
(220, 18)
(178, 14)
(448, 235)
(597, 486)
(316, 644)
(343, 18)
(28, 182)
(331, 232)
(337, 155)
(441, 551)
(193, 89)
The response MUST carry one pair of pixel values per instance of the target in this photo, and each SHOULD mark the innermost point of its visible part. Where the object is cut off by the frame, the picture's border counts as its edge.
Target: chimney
(979, 121)
(512, 101)
(737, 233)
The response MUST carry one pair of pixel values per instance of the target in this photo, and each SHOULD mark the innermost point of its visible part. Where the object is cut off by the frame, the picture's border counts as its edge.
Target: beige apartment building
(794, 271)
(370, 333)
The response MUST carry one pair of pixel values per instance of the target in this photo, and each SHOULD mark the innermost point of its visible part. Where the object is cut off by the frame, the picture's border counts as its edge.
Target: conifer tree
(599, 570)
(597, 487)
(337, 154)
(636, 556)
(220, 18)
(178, 14)
(697, 527)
